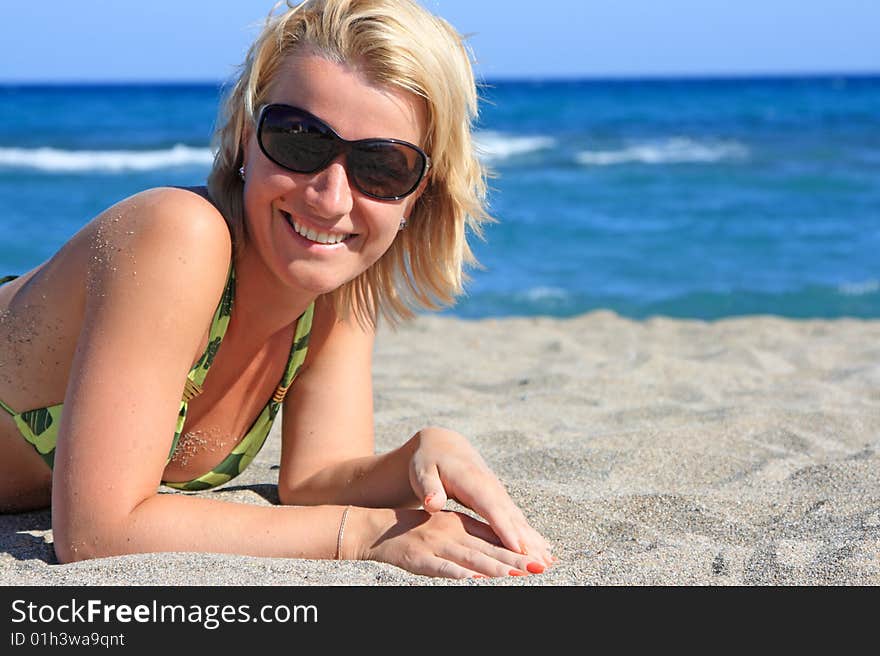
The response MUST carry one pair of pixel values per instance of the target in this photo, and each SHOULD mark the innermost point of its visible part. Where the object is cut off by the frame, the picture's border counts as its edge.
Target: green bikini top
(39, 427)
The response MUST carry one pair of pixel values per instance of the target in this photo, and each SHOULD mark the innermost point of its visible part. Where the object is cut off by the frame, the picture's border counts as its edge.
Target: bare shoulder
(162, 254)
(162, 234)
(173, 229)
(185, 216)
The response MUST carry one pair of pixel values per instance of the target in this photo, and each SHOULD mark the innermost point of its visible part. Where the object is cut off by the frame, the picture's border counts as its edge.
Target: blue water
(684, 198)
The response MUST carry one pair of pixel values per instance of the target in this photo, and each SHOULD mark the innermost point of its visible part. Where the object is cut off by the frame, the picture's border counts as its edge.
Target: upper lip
(313, 225)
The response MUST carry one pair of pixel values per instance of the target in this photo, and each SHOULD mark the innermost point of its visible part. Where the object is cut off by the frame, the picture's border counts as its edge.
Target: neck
(263, 305)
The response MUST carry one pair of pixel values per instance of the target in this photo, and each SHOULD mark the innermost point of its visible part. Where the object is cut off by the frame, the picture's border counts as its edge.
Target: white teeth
(313, 235)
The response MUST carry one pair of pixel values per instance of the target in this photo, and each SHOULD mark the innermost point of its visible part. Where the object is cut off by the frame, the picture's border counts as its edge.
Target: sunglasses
(386, 169)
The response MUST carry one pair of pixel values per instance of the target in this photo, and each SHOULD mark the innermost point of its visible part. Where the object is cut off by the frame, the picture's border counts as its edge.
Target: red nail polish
(522, 549)
(479, 576)
(516, 572)
(535, 568)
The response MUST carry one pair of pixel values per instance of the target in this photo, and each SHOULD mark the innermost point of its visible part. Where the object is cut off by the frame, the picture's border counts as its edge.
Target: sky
(177, 40)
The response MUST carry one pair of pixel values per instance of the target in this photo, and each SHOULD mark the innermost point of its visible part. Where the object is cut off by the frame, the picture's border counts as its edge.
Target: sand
(658, 452)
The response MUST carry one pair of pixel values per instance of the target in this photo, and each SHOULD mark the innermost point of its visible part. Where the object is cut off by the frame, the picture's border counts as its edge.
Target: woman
(342, 187)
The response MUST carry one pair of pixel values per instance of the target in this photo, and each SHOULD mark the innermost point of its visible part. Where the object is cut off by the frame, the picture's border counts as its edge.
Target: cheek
(390, 225)
(262, 189)
(384, 228)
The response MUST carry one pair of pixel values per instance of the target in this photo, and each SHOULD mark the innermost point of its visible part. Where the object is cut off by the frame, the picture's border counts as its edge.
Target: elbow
(65, 539)
(284, 496)
(298, 493)
(288, 495)
(76, 539)
(67, 553)
(70, 549)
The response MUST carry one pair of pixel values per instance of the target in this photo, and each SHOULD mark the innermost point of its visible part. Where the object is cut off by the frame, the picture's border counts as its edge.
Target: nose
(328, 193)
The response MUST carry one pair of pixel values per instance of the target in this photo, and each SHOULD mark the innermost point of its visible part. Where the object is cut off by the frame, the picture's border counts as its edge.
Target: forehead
(341, 95)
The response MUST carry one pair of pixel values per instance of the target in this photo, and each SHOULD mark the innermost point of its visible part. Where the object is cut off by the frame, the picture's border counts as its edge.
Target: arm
(140, 331)
(327, 449)
(327, 453)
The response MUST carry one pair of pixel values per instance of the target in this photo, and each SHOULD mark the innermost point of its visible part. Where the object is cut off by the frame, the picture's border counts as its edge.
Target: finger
(437, 566)
(486, 559)
(536, 547)
(533, 543)
(488, 542)
(520, 562)
(505, 518)
(426, 483)
(498, 510)
(480, 529)
(522, 538)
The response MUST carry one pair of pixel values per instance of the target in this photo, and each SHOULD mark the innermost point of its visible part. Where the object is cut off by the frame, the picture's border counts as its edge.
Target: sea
(691, 198)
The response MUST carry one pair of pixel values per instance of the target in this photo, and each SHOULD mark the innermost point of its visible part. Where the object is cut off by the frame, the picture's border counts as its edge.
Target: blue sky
(95, 40)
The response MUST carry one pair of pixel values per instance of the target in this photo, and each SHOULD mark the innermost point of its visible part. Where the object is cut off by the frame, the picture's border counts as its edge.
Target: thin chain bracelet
(341, 531)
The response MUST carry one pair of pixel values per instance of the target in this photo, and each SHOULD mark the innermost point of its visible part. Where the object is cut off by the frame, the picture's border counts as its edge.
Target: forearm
(177, 523)
(377, 481)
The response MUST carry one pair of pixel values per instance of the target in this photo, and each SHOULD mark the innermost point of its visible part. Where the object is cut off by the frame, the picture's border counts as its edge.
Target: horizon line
(488, 80)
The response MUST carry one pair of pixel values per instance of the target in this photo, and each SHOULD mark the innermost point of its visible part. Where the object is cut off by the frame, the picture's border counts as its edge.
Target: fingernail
(428, 499)
(535, 568)
(479, 576)
(516, 572)
(522, 548)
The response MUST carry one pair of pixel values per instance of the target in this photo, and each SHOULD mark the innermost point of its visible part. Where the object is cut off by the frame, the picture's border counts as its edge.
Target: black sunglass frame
(342, 146)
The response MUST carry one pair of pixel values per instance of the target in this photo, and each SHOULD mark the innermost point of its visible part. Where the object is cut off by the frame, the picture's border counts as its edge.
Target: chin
(318, 283)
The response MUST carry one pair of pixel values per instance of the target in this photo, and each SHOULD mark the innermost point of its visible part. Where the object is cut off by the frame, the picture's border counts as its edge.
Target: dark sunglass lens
(296, 141)
(385, 169)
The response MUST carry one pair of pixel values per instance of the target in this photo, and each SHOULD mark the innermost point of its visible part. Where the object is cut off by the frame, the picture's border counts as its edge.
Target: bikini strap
(219, 324)
(298, 351)
(7, 408)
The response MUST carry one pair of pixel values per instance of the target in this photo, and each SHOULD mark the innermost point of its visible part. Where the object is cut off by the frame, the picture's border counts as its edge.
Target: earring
(241, 173)
(402, 223)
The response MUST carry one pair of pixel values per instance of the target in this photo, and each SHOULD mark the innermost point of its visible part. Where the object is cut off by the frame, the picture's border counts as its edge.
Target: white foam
(498, 145)
(544, 294)
(859, 288)
(670, 151)
(55, 160)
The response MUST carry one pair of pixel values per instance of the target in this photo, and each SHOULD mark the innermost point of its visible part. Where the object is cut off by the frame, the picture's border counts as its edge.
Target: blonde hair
(400, 44)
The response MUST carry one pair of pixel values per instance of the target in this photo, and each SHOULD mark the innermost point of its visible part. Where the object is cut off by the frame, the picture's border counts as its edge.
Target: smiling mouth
(325, 238)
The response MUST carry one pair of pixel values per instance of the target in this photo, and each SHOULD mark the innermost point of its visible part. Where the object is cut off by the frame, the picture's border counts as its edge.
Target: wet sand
(667, 452)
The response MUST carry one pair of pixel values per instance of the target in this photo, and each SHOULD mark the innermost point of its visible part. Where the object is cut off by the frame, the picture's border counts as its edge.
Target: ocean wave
(671, 151)
(498, 145)
(859, 288)
(538, 294)
(55, 160)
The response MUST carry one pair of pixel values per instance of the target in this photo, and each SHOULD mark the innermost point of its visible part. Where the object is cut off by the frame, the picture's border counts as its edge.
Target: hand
(448, 544)
(444, 465)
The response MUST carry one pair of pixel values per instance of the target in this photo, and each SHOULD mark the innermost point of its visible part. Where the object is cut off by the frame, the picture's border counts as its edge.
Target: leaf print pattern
(228, 296)
(37, 420)
(211, 353)
(246, 450)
